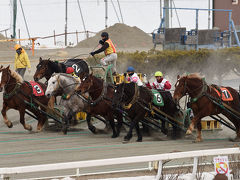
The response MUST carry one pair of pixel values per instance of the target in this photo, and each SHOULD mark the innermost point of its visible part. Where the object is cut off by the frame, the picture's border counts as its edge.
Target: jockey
(70, 70)
(133, 77)
(160, 83)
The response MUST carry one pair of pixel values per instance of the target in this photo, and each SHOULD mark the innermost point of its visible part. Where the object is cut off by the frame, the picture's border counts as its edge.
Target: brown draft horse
(202, 104)
(101, 95)
(16, 91)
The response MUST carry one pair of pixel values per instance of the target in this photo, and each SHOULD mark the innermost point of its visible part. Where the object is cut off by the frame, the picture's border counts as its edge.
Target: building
(221, 19)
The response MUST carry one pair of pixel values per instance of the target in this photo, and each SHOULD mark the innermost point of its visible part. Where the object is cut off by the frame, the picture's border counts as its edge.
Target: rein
(134, 98)
(100, 98)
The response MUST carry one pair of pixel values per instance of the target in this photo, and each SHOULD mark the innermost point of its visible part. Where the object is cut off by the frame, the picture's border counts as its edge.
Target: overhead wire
(115, 11)
(20, 1)
(82, 18)
(120, 10)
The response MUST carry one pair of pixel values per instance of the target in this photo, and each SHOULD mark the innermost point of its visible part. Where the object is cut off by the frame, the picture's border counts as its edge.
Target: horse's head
(53, 85)
(42, 70)
(86, 83)
(191, 84)
(119, 95)
(4, 76)
(180, 88)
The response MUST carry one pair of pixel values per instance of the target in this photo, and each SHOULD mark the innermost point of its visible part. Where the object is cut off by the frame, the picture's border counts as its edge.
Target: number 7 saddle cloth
(226, 95)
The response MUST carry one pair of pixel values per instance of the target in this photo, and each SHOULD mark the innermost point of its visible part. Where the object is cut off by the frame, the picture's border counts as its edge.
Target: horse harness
(135, 97)
(100, 98)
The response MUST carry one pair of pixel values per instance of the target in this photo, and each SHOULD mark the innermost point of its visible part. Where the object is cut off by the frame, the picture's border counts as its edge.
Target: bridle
(188, 91)
(63, 87)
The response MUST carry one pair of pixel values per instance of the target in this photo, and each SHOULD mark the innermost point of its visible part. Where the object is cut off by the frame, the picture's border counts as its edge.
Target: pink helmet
(69, 70)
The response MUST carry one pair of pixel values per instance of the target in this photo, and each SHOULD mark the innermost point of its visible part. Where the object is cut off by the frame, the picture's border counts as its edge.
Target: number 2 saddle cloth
(36, 88)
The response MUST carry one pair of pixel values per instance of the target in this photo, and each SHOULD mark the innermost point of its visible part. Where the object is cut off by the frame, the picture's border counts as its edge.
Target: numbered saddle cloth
(157, 98)
(226, 95)
(36, 88)
(78, 65)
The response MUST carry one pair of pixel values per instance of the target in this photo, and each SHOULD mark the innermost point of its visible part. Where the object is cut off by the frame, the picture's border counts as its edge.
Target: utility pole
(166, 5)
(209, 14)
(14, 18)
(160, 10)
(66, 24)
(106, 13)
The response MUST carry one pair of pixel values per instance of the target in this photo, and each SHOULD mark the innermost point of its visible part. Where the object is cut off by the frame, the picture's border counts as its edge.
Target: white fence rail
(4, 172)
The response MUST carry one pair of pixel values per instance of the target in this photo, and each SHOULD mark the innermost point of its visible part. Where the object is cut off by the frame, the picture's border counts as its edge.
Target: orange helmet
(69, 70)
(17, 46)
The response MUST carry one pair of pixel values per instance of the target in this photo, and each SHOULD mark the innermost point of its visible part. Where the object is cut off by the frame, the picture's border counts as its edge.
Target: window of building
(234, 1)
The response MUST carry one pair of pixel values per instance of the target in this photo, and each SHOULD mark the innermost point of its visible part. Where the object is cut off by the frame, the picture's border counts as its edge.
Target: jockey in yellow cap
(160, 83)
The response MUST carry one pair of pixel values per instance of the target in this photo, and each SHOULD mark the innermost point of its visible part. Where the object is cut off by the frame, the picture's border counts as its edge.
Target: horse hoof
(29, 128)
(114, 136)
(197, 141)
(125, 141)
(234, 139)
(93, 130)
(10, 125)
(64, 130)
(188, 132)
(139, 140)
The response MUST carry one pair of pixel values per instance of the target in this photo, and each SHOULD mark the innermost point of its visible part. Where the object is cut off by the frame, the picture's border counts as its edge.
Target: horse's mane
(16, 76)
(193, 76)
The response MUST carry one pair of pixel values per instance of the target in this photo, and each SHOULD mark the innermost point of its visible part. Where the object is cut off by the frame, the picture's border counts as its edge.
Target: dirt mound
(5, 46)
(123, 36)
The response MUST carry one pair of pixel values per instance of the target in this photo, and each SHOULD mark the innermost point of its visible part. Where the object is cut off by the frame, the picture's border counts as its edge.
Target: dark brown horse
(46, 68)
(203, 101)
(133, 99)
(101, 95)
(16, 95)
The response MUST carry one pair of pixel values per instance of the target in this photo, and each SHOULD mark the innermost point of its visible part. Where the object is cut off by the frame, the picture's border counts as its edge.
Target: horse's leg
(110, 118)
(22, 120)
(92, 128)
(119, 123)
(139, 139)
(236, 123)
(51, 102)
(4, 114)
(196, 121)
(132, 125)
(199, 132)
(42, 119)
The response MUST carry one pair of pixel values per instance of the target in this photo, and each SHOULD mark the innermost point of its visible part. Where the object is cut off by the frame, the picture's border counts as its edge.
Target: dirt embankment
(5, 46)
(123, 36)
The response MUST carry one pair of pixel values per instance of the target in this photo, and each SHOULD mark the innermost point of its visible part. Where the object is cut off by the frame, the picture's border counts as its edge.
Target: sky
(45, 16)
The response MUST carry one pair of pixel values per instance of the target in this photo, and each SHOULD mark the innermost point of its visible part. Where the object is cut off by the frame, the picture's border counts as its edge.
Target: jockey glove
(101, 42)
(92, 53)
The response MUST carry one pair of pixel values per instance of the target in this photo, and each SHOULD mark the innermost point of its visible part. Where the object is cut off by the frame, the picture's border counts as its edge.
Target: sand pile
(123, 36)
(5, 46)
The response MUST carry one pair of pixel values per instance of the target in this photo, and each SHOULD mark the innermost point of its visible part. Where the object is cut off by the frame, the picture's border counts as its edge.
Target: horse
(171, 109)
(203, 101)
(46, 68)
(101, 94)
(72, 103)
(18, 95)
(133, 99)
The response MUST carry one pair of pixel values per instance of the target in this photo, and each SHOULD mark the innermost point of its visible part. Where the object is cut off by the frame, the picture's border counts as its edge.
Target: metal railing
(5, 172)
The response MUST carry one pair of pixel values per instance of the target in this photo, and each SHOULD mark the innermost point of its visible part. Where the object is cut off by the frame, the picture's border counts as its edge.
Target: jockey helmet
(69, 70)
(130, 69)
(104, 34)
(158, 73)
(17, 46)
